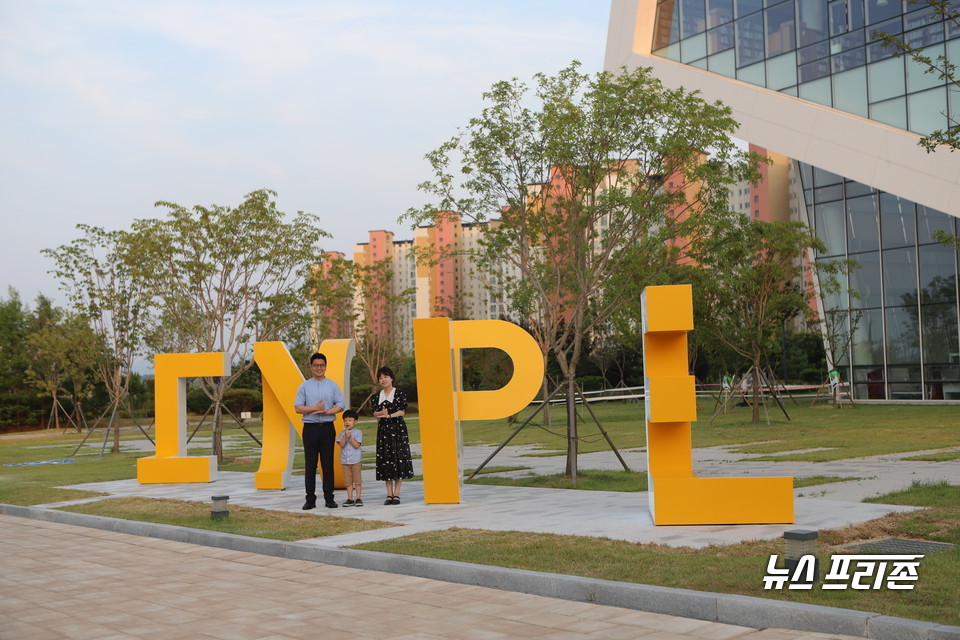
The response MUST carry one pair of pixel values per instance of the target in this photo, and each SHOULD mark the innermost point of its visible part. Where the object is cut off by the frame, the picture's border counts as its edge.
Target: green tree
(225, 277)
(591, 176)
(757, 286)
(96, 275)
(63, 351)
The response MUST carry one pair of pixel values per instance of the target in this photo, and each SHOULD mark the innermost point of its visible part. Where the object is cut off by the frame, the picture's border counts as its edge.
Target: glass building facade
(903, 300)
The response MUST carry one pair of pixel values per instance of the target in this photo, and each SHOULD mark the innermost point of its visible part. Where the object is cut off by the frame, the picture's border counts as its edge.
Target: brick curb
(747, 611)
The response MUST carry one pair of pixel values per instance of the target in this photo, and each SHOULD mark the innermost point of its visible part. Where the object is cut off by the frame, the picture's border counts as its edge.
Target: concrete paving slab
(602, 514)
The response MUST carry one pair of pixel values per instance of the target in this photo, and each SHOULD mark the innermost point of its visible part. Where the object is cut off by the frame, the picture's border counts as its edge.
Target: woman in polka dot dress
(394, 463)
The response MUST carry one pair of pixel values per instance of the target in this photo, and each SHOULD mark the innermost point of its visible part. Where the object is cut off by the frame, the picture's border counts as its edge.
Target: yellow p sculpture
(443, 404)
(171, 462)
(677, 496)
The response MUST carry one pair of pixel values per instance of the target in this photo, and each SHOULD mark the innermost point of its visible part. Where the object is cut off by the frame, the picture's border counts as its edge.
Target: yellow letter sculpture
(281, 377)
(677, 496)
(442, 402)
(171, 462)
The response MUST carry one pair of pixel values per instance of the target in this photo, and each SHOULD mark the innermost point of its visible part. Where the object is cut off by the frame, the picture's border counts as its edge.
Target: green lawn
(737, 569)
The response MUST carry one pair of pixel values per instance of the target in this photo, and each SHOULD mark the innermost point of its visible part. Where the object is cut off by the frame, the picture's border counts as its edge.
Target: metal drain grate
(897, 546)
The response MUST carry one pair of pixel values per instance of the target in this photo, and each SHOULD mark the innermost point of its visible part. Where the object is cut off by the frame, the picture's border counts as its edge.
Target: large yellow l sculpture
(677, 495)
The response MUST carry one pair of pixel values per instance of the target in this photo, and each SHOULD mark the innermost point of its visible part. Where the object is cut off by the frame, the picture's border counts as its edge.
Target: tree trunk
(571, 432)
(218, 428)
(756, 394)
(546, 403)
(115, 425)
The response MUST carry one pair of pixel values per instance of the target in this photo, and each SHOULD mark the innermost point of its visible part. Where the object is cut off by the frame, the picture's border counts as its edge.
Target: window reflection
(903, 335)
(900, 276)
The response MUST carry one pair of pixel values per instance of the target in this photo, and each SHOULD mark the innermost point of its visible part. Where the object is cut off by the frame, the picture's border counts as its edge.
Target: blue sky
(107, 106)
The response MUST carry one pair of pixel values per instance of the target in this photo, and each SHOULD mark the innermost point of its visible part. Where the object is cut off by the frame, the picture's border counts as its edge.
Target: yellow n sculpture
(676, 494)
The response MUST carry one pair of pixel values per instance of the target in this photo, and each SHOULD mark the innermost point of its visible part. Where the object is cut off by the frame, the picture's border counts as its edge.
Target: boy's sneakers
(349, 503)
(358, 503)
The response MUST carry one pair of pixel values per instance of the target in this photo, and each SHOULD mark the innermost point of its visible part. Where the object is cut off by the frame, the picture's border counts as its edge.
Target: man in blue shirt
(318, 400)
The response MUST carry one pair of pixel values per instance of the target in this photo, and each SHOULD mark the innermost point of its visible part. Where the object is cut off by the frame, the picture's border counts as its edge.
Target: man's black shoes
(330, 504)
(309, 504)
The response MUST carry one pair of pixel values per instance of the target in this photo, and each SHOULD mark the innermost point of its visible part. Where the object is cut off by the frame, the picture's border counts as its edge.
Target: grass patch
(810, 481)
(736, 569)
(587, 480)
(867, 430)
(244, 521)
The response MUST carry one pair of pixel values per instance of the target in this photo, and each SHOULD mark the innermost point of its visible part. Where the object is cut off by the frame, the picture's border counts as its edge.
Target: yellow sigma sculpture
(677, 495)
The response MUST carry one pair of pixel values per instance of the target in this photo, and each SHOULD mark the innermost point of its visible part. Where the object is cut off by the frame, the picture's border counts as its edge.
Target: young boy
(350, 440)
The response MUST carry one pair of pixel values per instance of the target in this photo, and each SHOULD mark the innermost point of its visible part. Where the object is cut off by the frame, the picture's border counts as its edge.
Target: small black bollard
(219, 510)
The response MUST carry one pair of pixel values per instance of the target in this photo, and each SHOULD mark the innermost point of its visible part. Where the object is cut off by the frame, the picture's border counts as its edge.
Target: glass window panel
(782, 71)
(898, 221)
(822, 178)
(876, 52)
(850, 91)
(693, 18)
(806, 175)
(813, 52)
(847, 41)
(754, 74)
(943, 382)
(719, 12)
(938, 274)
(866, 281)
(893, 27)
(926, 111)
(892, 112)
(940, 334)
(880, 10)
(699, 64)
(830, 228)
(868, 340)
(746, 7)
(827, 194)
(838, 17)
(902, 374)
(693, 48)
(855, 17)
(886, 79)
(723, 63)
(849, 60)
(814, 20)
(814, 71)
(781, 30)
(854, 189)
(903, 336)
(900, 276)
(925, 37)
(749, 40)
(863, 231)
(906, 391)
(917, 78)
(667, 27)
(817, 91)
(720, 39)
(919, 17)
(929, 221)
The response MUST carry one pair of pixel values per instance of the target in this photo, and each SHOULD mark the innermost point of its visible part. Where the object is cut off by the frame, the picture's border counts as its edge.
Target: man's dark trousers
(318, 440)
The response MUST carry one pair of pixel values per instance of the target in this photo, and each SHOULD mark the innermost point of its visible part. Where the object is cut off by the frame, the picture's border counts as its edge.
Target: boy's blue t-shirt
(348, 453)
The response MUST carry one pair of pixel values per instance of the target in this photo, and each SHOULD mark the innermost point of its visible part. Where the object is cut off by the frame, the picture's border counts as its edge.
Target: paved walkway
(61, 581)
(616, 515)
